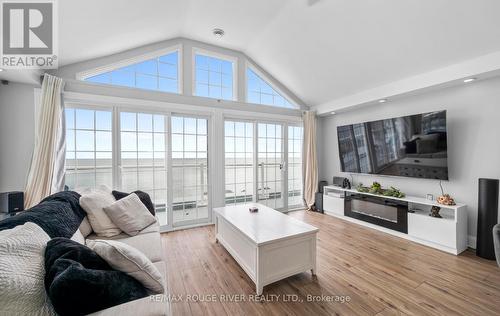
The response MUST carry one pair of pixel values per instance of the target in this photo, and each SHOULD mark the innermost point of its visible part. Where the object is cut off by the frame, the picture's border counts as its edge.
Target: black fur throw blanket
(59, 215)
(79, 282)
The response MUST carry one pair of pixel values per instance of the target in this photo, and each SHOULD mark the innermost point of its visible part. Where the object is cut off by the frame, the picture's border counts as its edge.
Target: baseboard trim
(471, 242)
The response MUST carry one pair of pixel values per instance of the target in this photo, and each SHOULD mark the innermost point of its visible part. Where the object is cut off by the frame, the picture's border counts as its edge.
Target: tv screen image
(409, 146)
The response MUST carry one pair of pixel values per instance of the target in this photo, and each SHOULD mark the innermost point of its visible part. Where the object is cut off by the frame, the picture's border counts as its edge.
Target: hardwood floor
(381, 274)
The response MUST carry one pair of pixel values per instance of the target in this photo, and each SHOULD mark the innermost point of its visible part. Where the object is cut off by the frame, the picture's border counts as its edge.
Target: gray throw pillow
(130, 214)
(131, 261)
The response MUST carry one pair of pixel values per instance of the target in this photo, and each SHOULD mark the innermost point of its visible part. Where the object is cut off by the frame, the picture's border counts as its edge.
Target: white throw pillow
(93, 204)
(128, 259)
(130, 214)
(22, 271)
(85, 227)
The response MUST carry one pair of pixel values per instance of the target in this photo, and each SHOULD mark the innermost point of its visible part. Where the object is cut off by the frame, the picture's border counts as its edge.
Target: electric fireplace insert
(383, 212)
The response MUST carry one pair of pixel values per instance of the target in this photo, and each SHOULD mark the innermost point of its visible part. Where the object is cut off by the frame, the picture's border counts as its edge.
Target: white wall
(17, 133)
(473, 140)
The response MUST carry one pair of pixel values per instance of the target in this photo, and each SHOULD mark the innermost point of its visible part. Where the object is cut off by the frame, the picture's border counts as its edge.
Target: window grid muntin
(273, 160)
(107, 77)
(211, 73)
(264, 90)
(200, 206)
(76, 169)
(248, 161)
(153, 190)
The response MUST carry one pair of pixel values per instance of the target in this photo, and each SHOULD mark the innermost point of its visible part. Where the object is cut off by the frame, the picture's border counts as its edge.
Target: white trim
(233, 60)
(484, 67)
(164, 229)
(262, 76)
(471, 241)
(83, 75)
(102, 100)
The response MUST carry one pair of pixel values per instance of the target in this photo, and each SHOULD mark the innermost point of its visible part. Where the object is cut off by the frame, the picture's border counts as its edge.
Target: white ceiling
(321, 50)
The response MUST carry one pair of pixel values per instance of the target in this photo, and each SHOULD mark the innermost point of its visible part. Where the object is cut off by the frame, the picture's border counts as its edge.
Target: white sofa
(149, 242)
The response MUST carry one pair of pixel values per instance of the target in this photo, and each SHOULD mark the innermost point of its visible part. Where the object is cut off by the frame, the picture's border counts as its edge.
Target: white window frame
(254, 154)
(301, 125)
(209, 53)
(262, 76)
(255, 120)
(83, 75)
(82, 106)
(104, 103)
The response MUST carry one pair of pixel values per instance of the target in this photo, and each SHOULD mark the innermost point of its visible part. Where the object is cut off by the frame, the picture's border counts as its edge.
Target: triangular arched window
(159, 73)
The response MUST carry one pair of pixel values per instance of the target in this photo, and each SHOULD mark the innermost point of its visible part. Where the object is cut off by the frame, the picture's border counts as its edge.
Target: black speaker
(11, 202)
(487, 217)
(319, 202)
(321, 185)
(341, 182)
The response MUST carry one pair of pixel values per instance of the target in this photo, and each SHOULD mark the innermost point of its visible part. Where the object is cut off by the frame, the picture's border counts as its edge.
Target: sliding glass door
(271, 165)
(239, 162)
(189, 170)
(143, 157)
(162, 154)
(263, 163)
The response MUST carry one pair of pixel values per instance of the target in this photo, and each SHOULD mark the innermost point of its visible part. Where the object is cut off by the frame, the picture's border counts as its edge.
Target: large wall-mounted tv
(409, 146)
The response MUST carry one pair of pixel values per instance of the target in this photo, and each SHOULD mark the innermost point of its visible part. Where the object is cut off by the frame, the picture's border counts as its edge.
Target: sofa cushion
(153, 228)
(143, 196)
(22, 270)
(80, 282)
(130, 214)
(128, 259)
(94, 204)
(147, 243)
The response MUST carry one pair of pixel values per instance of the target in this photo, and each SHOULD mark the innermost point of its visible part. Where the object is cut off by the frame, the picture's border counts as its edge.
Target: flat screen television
(408, 146)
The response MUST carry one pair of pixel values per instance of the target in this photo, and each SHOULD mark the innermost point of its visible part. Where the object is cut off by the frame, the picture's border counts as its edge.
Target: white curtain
(309, 159)
(46, 173)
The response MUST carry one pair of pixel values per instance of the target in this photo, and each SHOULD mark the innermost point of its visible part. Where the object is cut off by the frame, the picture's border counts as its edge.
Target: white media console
(448, 233)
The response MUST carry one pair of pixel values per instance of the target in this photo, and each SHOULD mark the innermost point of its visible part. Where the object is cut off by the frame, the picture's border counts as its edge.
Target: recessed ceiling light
(1, 69)
(332, 112)
(469, 80)
(382, 100)
(218, 32)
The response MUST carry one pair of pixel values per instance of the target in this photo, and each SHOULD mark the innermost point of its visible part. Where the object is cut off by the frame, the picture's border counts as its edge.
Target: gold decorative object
(445, 199)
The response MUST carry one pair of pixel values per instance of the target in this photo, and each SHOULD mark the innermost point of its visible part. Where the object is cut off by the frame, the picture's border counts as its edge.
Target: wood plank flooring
(381, 274)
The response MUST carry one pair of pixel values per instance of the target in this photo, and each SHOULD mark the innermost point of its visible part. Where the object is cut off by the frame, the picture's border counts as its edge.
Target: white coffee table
(268, 245)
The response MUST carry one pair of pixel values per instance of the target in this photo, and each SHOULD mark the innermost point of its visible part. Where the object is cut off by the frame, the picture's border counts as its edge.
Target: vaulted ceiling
(321, 50)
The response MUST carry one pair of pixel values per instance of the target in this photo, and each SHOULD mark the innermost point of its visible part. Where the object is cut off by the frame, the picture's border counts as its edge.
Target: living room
(305, 157)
